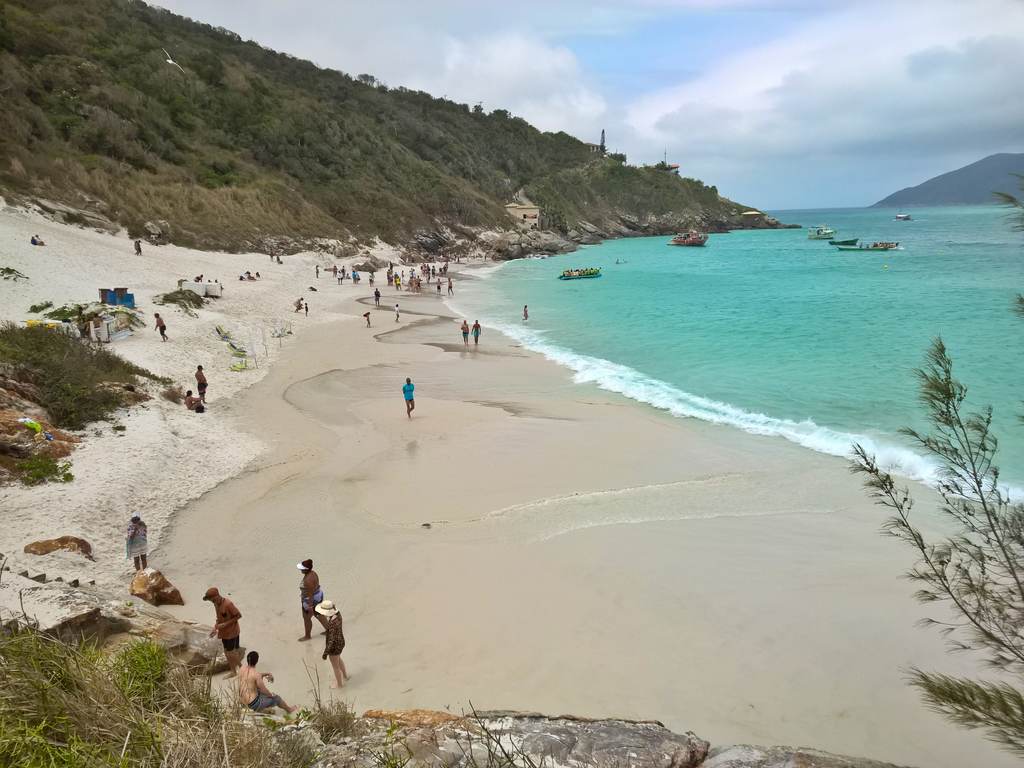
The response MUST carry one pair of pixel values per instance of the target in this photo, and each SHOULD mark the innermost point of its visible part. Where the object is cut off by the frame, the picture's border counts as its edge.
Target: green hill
(248, 144)
(973, 184)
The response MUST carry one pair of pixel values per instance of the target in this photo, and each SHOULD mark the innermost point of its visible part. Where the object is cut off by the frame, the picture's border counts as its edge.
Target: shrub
(188, 301)
(74, 707)
(174, 394)
(42, 307)
(37, 470)
(10, 273)
(72, 376)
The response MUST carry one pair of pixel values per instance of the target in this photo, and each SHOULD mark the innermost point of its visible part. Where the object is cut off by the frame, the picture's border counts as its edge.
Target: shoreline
(561, 576)
(585, 553)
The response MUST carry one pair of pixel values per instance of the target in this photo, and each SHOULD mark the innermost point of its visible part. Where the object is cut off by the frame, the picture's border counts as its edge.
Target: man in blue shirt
(410, 400)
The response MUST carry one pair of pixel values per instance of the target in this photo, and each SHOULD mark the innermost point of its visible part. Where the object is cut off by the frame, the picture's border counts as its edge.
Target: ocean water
(775, 334)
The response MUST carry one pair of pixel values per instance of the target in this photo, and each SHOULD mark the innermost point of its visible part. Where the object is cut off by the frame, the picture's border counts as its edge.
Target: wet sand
(525, 542)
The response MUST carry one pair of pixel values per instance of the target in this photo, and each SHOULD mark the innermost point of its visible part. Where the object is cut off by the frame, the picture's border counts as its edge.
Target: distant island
(971, 185)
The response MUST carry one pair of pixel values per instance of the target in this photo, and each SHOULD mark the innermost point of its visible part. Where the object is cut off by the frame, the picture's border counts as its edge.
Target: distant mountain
(970, 185)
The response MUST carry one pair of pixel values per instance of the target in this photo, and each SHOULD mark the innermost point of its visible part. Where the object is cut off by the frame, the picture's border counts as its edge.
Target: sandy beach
(522, 542)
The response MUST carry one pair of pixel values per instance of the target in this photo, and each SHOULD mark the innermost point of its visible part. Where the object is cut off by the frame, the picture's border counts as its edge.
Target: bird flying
(172, 61)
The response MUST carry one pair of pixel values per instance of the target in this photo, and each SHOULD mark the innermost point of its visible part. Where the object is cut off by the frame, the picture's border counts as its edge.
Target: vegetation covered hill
(247, 143)
(974, 184)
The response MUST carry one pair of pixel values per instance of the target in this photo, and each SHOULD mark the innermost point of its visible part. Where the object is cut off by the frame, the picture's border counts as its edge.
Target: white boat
(903, 217)
(822, 232)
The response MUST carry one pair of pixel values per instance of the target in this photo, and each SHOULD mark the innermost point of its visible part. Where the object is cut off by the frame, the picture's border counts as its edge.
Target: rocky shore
(413, 738)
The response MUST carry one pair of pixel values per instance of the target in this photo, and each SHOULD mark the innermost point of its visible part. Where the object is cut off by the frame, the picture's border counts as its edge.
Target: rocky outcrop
(66, 543)
(158, 231)
(745, 756)
(153, 587)
(436, 739)
(516, 244)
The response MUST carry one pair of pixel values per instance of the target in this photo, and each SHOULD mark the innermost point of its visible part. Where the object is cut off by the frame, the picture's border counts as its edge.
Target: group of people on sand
(197, 402)
(253, 691)
(247, 275)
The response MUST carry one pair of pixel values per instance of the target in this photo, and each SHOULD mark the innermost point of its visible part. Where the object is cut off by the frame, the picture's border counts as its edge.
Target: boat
(580, 274)
(691, 238)
(851, 241)
(822, 232)
(881, 246)
(903, 217)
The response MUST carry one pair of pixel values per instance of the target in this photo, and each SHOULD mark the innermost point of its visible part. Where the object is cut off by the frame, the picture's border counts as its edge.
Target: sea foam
(626, 381)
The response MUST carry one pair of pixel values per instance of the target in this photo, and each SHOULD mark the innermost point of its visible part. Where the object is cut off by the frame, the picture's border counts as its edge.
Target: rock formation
(66, 543)
(153, 587)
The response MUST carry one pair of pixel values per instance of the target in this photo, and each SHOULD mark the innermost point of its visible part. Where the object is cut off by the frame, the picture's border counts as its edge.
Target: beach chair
(224, 335)
(241, 365)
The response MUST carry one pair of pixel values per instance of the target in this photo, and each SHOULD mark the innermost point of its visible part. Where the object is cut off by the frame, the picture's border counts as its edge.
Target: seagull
(172, 61)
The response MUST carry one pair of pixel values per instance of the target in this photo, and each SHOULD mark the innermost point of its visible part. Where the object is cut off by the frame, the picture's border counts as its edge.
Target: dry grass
(76, 707)
(174, 394)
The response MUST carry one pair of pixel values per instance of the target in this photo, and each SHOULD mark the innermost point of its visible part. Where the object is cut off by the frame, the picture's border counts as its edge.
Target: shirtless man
(312, 596)
(252, 687)
(226, 627)
(201, 383)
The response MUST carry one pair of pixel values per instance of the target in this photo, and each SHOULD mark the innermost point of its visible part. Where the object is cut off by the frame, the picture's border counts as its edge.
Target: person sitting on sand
(311, 596)
(252, 687)
(298, 304)
(136, 543)
(194, 403)
(37, 240)
(335, 642)
(259, 276)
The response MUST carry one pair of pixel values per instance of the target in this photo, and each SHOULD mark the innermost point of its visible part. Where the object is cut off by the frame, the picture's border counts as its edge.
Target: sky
(779, 103)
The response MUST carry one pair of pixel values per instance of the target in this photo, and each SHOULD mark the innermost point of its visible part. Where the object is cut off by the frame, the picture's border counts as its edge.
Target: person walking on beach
(335, 641)
(136, 544)
(160, 326)
(439, 289)
(252, 687)
(397, 313)
(376, 297)
(317, 271)
(311, 596)
(451, 291)
(201, 383)
(226, 627)
(305, 305)
(366, 316)
(476, 333)
(408, 391)
(138, 247)
(465, 333)
(526, 313)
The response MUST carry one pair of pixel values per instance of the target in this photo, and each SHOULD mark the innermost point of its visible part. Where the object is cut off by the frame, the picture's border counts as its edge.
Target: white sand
(585, 555)
(166, 455)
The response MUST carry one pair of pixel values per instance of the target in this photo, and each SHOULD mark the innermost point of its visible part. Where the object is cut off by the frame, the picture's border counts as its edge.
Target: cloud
(778, 102)
(851, 100)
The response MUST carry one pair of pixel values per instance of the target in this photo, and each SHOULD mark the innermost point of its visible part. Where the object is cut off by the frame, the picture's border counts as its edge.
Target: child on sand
(409, 390)
(160, 326)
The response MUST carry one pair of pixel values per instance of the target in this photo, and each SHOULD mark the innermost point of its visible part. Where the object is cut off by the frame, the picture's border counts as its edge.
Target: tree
(977, 572)
(601, 145)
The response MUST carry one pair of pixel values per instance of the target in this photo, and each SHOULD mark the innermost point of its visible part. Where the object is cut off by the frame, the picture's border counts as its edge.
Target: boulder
(157, 231)
(438, 739)
(151, 586)
(745, 756)
(66, 543)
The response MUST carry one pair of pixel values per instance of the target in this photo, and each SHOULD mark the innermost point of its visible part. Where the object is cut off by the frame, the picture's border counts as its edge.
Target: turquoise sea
(775, 334)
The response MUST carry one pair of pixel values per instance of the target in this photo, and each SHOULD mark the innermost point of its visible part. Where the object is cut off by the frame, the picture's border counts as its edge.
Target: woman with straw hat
(335, 641)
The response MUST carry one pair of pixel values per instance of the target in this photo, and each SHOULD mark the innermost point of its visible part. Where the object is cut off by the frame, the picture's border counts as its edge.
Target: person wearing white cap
(136, 544)
(312, 594)
(335, 643)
